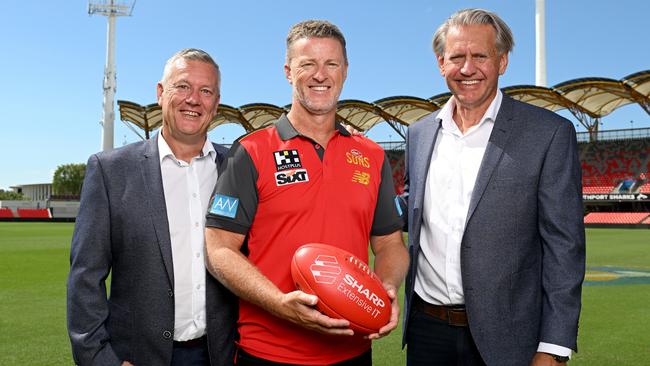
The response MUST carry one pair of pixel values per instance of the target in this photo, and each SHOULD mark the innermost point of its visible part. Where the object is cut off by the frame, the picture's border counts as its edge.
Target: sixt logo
(223, 205)
(287, 159)
(325, 269)
(291, 177)
(356, 157)
(350, 281)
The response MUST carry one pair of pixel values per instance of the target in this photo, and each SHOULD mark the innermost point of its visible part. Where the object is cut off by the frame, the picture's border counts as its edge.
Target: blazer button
(170, 293)
(167, 334)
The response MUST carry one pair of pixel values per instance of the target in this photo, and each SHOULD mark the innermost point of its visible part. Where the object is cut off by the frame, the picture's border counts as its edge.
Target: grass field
(614, 328)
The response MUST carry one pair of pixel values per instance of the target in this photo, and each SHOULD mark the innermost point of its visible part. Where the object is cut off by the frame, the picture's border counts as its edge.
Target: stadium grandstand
(615, 163)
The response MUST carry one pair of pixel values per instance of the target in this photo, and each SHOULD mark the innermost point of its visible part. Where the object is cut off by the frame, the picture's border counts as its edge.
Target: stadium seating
(606, 163)
(396, 160)
(34, 213)
(6, 213)
(617, 217)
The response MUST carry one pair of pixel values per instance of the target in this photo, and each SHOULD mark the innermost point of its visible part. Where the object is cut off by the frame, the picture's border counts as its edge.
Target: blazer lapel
(493, 152)
(156, 199)
(425, 142)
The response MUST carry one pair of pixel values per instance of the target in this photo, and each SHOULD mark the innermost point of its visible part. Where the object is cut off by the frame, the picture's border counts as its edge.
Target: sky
(53, 56)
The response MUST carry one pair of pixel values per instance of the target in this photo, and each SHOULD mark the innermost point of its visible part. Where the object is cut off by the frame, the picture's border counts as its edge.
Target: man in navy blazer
(141, 221)
(495, 216)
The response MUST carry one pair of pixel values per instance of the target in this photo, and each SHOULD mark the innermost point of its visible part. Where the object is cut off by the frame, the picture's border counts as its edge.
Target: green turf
(33, 270)
(614, 327)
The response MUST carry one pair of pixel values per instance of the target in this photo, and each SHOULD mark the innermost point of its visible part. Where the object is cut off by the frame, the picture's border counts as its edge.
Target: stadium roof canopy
(588, 99)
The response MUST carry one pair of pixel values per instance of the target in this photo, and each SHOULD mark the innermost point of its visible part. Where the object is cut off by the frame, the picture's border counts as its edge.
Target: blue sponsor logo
(224, 206)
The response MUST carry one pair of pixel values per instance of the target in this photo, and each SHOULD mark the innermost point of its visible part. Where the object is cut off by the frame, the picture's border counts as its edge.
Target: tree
(68, 179)
(11, 196)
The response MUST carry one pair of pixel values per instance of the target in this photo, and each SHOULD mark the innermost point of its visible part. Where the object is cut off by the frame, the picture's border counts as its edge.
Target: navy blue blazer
(523, 248)
(122, 229)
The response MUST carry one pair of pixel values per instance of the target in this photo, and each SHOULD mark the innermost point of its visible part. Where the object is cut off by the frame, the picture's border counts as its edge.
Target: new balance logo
(325, 269)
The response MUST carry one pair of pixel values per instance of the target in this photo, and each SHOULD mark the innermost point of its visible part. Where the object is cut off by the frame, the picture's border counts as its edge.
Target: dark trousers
(432, 341)
(192, 355)
(246, 359)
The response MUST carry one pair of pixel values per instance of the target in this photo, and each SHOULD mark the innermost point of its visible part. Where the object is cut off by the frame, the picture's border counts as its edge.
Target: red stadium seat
(616, 217)
(34, 213)
(6, 213)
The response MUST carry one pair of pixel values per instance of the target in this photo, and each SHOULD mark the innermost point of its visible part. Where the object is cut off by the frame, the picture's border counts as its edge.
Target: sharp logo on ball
(287, 159)
(291, 176)
(325, 269)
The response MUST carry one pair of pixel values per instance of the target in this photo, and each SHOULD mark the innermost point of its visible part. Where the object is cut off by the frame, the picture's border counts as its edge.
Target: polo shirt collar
(287, 131)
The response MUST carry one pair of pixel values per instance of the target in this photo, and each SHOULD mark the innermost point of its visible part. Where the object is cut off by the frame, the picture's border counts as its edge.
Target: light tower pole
(540, 44)
(110, 9)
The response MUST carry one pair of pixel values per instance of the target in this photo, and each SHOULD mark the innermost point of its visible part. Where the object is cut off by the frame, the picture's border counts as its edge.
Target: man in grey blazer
(496, 235)
(141, 221)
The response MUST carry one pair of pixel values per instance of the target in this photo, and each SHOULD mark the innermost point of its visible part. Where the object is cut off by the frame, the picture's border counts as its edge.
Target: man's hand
(298, 308)
(544, 359)
(394, 314)
(353, 131)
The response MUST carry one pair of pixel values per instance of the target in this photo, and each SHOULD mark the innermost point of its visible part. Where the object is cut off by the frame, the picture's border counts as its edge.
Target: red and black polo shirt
(283, 190)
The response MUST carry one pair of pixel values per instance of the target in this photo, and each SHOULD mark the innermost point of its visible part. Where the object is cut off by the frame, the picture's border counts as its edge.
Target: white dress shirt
(455, 163)
(188, 188)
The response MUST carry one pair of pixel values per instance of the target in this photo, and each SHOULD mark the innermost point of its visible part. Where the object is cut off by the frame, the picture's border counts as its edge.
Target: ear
(503, 63)
(287, 73)
(441, 64)
(345, 71)
(159, 92)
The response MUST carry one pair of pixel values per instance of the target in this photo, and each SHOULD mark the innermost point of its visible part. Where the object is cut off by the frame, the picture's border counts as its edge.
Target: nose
(193, 97)
(469, 67)
(321, 74)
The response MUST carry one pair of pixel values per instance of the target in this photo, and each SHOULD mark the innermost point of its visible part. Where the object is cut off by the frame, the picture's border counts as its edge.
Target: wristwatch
(560, 359)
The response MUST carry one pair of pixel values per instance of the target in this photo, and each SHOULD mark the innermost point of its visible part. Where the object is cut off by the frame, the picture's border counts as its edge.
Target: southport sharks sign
(616, 197)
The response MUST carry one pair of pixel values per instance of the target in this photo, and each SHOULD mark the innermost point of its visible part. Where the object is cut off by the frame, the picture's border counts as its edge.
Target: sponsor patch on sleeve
(223, 205)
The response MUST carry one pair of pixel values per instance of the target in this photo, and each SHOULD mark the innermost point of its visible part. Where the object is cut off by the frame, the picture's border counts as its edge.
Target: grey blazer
(122, 229)
(523, 249)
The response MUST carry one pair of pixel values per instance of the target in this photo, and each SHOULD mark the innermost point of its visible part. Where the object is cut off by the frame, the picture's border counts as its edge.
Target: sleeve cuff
(554, 349)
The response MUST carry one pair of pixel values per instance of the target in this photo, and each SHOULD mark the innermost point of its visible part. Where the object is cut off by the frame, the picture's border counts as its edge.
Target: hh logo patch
(355, 157)
(291, 177)
(224, 206)
(361, 177)
(287, 159)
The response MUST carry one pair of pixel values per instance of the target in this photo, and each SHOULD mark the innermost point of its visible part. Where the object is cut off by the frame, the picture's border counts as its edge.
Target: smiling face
(471, 65)
(317, 70)
(189, 97)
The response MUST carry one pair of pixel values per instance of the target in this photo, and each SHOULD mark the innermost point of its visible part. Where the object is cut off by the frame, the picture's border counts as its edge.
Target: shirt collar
(165, 151)
(446, 113)
(287, 131)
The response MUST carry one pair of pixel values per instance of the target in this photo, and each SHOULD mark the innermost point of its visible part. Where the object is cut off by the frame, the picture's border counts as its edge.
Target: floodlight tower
(540, 44)
(110, 9)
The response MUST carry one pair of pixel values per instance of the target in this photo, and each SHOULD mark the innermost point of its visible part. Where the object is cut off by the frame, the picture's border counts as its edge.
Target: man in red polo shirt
(303, 180)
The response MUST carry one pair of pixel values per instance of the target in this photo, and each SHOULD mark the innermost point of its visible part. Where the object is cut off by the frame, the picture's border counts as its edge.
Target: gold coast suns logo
(355, 157)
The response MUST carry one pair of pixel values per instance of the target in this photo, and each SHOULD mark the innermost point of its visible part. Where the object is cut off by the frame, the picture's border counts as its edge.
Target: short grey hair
(315, 29)
(191, 54)
(504, 40)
